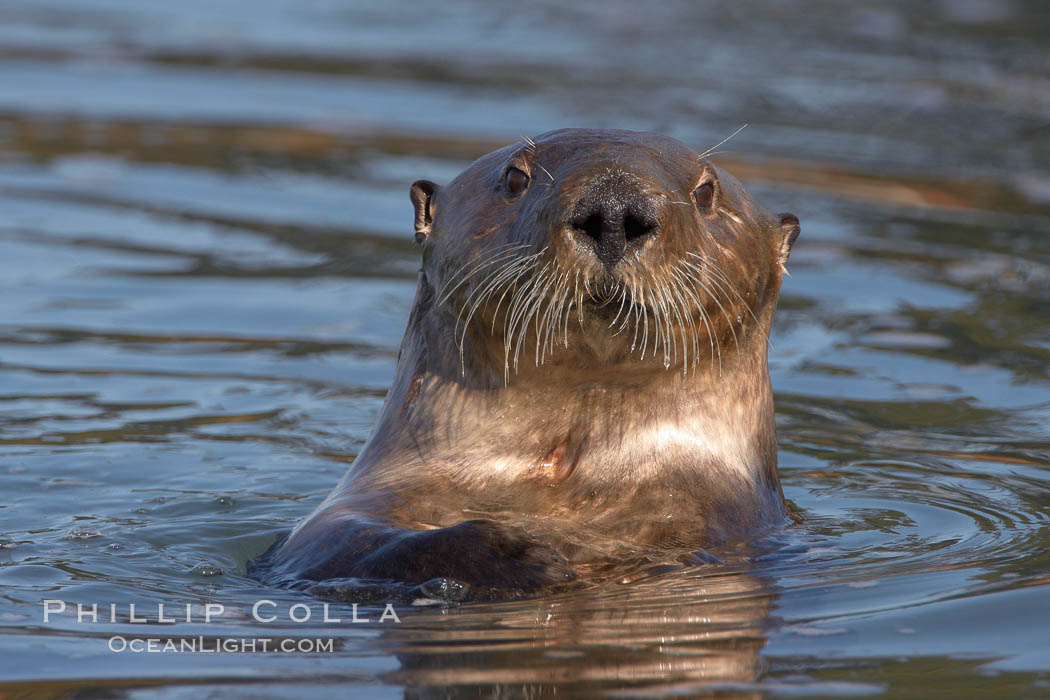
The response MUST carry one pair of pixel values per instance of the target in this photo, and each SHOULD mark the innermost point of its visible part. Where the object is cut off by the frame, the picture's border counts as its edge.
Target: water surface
(207, 264)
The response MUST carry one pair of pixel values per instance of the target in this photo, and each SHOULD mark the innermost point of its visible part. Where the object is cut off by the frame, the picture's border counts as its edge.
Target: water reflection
(685, 632)
(207, 264)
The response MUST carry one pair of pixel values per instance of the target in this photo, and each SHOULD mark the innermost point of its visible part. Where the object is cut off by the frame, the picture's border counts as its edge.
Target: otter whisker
(663, 325)
(668, 302)
(712, 336)
(545, 172)
(462, 274)
(545, 320)
(510, 324)
(712, 340)
(680, 279)
(705, 265)
(714, 274)
(494, 278)
(657, 326)
(530, 147)
(552, 316)
(577, 301)
(565, 307)
(686, 295)
(645, 318)
(531, 309)
(503, 252)
(623, 299)
(536, 316)
(680, 313)
(713, 288)
(652, 306)
(714, 297)
(674, 317)
(579, 305)
(725, 278)
(716, 346)
(516, 307)
(507, 270)
(634, 309)
(688, 332)
(723, 141)
(654, 316)
(525, 309)
(563, 302)
(548, 320)
(512, 274)
(471, 303)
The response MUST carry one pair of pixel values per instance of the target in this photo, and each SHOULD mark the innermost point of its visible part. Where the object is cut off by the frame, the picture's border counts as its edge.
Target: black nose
(613, 214)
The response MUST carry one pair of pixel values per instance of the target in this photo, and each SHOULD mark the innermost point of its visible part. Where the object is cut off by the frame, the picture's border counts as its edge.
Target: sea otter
(583, 374)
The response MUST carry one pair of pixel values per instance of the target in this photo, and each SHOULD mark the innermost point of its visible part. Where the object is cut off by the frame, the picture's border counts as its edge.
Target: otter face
(600, 247)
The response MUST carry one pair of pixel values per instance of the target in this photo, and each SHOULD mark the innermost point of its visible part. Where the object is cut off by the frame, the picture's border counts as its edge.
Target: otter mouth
(607, 298)
(605, 309)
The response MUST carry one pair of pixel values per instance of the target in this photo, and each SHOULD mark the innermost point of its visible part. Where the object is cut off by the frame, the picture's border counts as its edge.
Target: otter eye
(704, 196)
(516, 181)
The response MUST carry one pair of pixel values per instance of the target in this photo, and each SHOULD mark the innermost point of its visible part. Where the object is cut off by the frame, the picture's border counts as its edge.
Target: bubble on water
(207, 570)
(80, 534)
(116, 546)
(817, 631)
(424, 602)
(444, 589)
(225, 501)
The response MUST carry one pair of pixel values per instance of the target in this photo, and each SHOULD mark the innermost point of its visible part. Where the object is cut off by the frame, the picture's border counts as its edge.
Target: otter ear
(422, 195)
(789, 230)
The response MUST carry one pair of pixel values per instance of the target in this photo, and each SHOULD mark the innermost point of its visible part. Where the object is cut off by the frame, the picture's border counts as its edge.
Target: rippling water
(207, 264)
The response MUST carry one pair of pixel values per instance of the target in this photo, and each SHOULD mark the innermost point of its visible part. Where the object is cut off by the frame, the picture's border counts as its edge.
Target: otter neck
(571, 434)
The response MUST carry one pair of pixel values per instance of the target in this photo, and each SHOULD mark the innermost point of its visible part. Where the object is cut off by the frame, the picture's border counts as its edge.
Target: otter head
(599, 250)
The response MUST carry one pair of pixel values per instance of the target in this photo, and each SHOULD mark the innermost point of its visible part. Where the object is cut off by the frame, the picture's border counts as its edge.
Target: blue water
(207, 264)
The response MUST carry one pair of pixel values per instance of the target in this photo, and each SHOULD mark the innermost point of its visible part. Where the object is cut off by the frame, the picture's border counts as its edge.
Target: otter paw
(479, 553)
